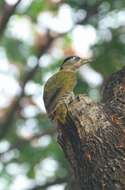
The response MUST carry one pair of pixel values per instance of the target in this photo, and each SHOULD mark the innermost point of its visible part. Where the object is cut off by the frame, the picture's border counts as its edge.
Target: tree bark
(94, 146)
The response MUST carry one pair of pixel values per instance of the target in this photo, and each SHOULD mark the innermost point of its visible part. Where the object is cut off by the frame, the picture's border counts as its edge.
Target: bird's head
(72, 63)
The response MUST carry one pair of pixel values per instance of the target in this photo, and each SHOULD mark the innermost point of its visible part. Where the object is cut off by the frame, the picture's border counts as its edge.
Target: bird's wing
(57, 86)
(51, 98)
(51, 89)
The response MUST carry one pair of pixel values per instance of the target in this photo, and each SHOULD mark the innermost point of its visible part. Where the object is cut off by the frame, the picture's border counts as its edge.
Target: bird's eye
(71, 58)
(75, 58)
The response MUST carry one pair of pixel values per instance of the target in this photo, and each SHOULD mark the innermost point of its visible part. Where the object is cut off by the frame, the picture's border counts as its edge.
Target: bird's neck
(66, 81)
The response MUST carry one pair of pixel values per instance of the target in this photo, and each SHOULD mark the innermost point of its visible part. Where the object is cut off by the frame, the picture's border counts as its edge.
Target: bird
(60, 85)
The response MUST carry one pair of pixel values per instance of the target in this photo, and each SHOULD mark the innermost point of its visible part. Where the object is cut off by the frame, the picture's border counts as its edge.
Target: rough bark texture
(94, 147)
(92, 136)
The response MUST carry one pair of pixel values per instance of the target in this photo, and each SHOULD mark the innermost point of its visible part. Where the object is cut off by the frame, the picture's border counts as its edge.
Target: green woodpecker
(62, 83)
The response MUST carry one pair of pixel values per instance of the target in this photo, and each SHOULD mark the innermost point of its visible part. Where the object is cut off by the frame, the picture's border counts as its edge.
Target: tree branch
(8, 11)
(93, 141)
(5, 125)
(48, 184)
(90, 12)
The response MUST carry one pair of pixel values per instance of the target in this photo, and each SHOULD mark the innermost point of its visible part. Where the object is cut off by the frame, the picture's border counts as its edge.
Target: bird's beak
(82, 62)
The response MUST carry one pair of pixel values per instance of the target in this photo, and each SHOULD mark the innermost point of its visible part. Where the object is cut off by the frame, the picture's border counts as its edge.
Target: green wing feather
(57, 86)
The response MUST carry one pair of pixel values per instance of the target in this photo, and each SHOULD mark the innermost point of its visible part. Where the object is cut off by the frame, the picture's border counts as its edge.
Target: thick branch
(94, 146)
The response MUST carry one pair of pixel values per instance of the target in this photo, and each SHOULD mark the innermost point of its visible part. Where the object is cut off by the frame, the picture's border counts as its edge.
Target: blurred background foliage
(35, 36)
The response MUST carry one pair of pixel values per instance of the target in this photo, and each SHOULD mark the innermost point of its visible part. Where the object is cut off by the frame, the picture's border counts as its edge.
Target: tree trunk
(94, 146)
